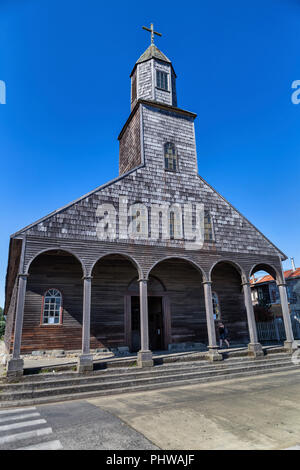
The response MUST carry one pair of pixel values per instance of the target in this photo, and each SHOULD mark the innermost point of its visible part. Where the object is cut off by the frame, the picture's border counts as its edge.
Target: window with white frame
(162, 80)
(52, 307)
(170, 156)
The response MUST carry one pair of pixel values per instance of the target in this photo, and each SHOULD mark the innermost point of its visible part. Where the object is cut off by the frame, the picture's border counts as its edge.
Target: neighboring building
(146, 261)
(264, 290)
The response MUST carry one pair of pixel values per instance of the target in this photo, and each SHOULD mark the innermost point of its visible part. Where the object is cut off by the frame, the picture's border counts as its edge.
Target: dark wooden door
(156, 333)
(156, 324)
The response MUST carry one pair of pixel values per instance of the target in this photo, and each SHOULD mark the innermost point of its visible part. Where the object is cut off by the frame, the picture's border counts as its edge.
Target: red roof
(289, 274)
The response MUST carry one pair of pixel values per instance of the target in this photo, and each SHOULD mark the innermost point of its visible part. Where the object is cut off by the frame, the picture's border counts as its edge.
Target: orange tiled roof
(289, 274)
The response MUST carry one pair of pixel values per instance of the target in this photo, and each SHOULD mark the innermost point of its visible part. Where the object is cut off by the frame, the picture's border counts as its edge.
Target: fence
(274, 330)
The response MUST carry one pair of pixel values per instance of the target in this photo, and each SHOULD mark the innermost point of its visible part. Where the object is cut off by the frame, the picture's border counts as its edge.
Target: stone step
(125, 388)
(131, 380)
(116, 374)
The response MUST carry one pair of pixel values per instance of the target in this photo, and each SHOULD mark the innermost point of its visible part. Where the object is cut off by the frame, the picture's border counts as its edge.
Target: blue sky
(66, 66)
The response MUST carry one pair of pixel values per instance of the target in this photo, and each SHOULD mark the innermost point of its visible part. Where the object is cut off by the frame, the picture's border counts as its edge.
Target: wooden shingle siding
(152, 184)
(130, 145)
(145, 255)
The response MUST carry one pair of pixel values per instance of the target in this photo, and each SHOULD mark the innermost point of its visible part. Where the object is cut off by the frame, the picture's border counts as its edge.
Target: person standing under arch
(223, 334)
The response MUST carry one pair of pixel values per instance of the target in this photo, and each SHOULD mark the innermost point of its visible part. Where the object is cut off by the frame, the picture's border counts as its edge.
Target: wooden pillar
(144, 355)
(288, 344)
(15, 364)
(85, 360)
(254, 347)
(213, 353)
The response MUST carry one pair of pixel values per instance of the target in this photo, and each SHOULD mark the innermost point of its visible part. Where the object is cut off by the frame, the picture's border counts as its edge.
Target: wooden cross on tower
(151, 30)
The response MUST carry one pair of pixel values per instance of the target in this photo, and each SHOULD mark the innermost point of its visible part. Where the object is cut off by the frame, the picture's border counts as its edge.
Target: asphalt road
(74, 425)
(261, 412)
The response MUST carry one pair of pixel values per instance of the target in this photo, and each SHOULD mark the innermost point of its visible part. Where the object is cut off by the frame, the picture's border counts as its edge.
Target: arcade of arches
(60, 305)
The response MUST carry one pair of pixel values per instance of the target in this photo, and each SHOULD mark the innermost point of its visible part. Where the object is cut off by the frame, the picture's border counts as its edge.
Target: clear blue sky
(66, 65)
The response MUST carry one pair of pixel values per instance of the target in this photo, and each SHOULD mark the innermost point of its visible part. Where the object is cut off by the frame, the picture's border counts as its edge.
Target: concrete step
(100, 383)
(129, 388)
(72, 378)
(174, 358)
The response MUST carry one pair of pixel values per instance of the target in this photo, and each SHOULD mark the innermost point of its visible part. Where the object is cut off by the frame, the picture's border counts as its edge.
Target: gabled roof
(289, 274)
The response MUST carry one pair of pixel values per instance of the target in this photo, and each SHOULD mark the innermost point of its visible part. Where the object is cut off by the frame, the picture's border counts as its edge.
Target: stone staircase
(61, 386)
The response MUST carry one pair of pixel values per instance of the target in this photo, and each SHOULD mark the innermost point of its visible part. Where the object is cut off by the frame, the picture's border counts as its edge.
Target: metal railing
(274, 330)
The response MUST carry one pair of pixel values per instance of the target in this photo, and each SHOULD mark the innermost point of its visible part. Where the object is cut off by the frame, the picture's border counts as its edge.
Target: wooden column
(254, 347)
(15, 364)
(213, 353)
(144, 355)
(288, 344)
(85, 360)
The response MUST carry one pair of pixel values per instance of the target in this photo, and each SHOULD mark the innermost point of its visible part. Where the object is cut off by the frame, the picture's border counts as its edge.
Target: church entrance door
(156, 323)
(155, 314)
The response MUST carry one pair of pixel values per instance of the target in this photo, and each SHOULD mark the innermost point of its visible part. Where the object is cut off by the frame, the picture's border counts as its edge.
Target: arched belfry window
(170, 157)
(52, 307)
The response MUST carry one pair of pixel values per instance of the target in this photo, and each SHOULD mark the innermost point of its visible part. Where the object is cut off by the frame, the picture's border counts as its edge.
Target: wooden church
(148, 261)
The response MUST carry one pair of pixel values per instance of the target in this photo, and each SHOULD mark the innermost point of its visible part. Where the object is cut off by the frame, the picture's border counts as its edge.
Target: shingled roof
(152, 53)
(289, 274)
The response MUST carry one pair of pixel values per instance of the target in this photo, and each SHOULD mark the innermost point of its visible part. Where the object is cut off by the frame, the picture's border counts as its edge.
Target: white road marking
(51, 445)
(17, 410)
(25, 435)
(23, 424)
(22, 416)
(17, 419)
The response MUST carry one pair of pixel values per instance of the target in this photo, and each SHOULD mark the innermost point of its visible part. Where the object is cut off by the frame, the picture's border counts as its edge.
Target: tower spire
(151, 30)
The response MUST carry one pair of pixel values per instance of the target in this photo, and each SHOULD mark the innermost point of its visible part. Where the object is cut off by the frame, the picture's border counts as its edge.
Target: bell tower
(157, 135)
(153, 77)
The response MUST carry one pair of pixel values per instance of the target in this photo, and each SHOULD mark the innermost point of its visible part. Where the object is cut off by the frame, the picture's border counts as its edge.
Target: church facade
(147, 261)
